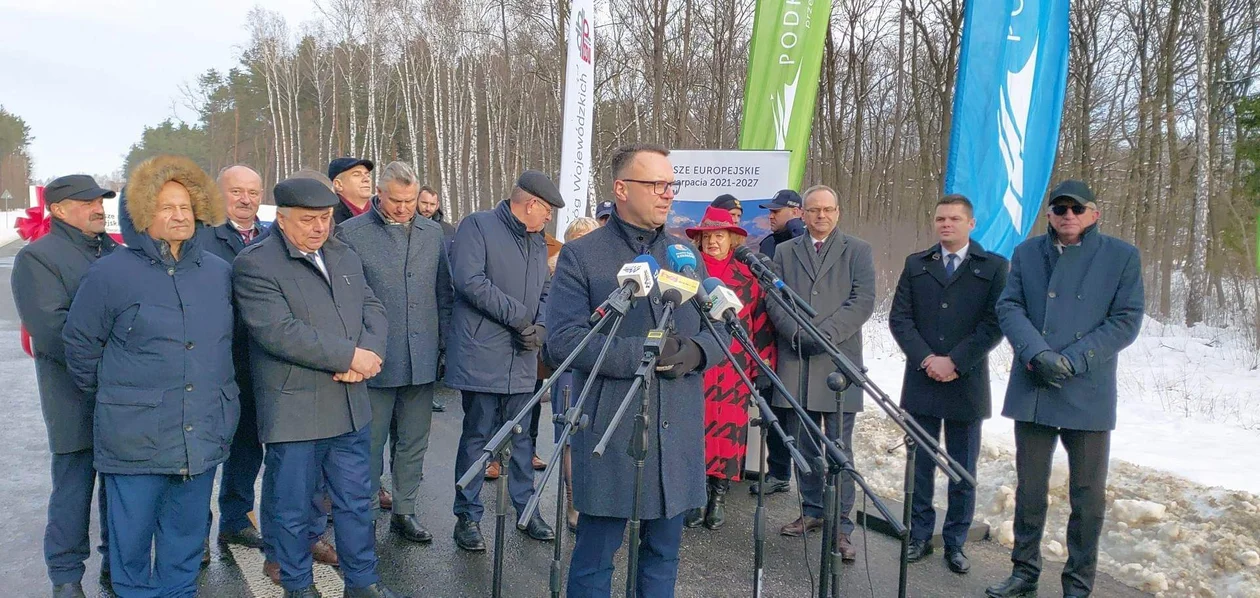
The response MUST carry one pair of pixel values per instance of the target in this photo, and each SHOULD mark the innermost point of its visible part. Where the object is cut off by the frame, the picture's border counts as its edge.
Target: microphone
(684, 288)
(682, 260)
(759, 265)
(723, 305)
(635, 279)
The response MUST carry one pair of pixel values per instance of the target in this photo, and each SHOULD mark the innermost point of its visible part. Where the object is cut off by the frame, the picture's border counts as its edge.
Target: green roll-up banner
(785, 57)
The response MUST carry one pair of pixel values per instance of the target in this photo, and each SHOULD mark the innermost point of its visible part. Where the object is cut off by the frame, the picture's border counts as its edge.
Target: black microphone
(758, 264)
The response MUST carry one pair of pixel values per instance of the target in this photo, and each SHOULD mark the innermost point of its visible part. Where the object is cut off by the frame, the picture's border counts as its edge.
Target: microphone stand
(499, 445)
(574, 420)
(767, 421)
(848, 373)
(639, 437)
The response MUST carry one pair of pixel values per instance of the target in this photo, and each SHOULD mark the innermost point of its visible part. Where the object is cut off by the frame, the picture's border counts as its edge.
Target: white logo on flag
(1015, 98)
(783, 104)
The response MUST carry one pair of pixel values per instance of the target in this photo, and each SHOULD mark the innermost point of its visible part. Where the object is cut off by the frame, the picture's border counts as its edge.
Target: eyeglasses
(545, 205)
(658, 187)
(828, 210)
(1061, 209)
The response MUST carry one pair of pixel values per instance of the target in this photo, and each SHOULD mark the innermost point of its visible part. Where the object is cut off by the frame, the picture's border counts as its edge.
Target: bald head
(242, 191)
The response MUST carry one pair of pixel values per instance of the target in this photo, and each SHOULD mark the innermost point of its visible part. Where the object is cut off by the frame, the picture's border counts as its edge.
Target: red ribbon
(34, 225)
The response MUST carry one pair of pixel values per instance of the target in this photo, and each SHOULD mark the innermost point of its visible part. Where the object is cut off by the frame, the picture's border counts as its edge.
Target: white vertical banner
(579, 89)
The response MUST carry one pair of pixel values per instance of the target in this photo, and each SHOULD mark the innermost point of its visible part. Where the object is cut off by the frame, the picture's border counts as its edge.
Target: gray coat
(46, 275)
(500, 277)
(1086, 304)
(406, 267)
(673, 474)
(839, 283)
(302, 331)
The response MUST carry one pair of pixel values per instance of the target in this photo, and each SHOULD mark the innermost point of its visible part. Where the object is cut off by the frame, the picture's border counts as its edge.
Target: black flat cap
(80, 187)
(341, 165)
(539, 185)
(604, 210)
(785, 198)
(304, 193)
(1076, 190)
(726, 201)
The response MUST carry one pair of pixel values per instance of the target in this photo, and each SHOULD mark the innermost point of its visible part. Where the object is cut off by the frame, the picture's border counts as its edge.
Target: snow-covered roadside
(8, 233)
(1183, 514)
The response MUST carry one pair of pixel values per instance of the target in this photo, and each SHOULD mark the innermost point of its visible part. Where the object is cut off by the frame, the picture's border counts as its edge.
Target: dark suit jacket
(303, 329)
(839, 283)
(951, 317)
(225, 242)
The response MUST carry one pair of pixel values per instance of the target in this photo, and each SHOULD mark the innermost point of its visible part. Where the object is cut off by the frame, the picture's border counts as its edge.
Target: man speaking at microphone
(673, 473)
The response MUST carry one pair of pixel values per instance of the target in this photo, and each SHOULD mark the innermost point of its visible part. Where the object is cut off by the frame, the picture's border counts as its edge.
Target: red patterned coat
(726, 399)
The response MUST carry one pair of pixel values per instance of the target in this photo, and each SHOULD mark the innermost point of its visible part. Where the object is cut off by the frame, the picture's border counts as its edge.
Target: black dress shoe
(69, 590)
(439, 406)
(467, 535)
(957, 560)
(918, 551)
(773, 486)
(693, 518)
(376, 590)
(538, 529)
(408, 526)
(715, 510)
(307, 592)
(248, 537)
(1014, 587)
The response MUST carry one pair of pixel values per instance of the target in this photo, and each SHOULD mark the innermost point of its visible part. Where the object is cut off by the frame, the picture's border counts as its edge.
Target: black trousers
(778, 459)
(1088, 454)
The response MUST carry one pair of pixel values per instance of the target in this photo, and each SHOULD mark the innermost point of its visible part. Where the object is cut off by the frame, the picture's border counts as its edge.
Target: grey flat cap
(304, 193)
(539, 185)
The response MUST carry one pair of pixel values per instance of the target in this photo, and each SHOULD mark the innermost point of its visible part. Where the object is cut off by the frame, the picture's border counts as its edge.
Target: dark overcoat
(151, 337)
(499, 273)
(225, 242)
(303, 329)
(406, 267)
(46, 276)
(952, 317)
(673, 474)
(1087, 304)
(839, 283)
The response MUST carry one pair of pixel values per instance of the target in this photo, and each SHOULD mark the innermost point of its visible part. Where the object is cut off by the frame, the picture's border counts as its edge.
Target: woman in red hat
(726, 399)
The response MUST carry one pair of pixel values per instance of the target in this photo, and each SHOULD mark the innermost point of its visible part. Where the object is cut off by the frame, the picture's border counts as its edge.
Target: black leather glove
(679, 357)
(762, 383)
(1053, 368)
(531, 338)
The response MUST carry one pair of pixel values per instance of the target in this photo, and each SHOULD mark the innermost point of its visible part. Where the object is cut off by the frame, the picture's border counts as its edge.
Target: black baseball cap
(1075, 190)
(341, 165)
(726, 201)
(603, 210)
(785, 198)
(79, 187)
(304, 193)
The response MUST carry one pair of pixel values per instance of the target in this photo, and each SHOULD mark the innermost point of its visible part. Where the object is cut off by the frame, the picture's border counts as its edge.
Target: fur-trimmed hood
(146, 180)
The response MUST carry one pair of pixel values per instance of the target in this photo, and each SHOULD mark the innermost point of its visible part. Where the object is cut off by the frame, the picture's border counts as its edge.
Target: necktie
(950, 265)
(314, 260)
(818, 246)
(248, 235)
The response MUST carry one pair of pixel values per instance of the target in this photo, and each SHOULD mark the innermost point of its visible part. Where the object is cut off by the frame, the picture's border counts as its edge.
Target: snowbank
(8, 233)
(1183, 515)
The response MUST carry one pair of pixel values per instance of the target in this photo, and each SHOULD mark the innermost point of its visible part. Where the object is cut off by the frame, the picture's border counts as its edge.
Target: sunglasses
(1062, 209)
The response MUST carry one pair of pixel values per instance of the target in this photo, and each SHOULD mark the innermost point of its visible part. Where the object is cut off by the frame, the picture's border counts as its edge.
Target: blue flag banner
(1012, 73)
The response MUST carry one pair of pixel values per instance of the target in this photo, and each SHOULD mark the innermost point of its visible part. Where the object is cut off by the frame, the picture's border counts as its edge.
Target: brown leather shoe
(847, 552)
(492, 470)
(324, 553)
(272, 570)
(386, 499)
(539, 464)
(801, 526)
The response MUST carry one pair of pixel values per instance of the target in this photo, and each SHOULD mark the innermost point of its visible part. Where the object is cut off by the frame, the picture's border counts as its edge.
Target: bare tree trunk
(1197, 292)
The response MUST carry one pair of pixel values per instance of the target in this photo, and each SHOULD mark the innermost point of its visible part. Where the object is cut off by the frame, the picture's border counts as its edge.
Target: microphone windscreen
(650, 261)
(680, 257)
(712, 283)
(671, 296)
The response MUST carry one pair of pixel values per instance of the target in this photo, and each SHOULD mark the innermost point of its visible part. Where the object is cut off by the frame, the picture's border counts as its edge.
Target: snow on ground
(1183, 512)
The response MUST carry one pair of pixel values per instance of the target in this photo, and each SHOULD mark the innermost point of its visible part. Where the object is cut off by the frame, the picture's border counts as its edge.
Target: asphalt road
(714, 563)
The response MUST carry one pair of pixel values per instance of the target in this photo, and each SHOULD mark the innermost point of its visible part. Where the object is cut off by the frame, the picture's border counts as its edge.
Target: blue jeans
(294, 469)
(160, 519)
(599, 539)
(66, 537)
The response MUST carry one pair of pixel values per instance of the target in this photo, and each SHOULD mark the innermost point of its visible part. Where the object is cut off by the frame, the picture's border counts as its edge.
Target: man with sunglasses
(500, 276)
(1073, 301)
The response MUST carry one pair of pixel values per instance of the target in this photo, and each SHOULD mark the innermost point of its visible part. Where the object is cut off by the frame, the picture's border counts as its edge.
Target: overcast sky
(88, 75)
